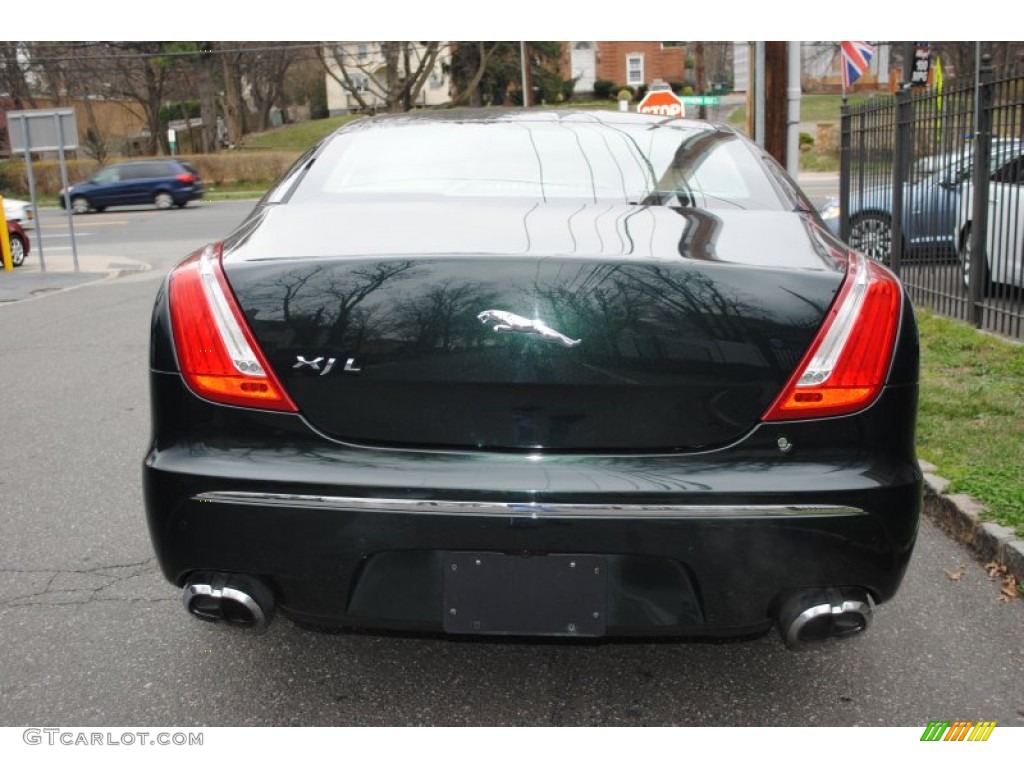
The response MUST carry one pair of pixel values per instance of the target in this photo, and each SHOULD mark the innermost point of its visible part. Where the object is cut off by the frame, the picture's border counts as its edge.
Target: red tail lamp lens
(845, 369)
(217, 353)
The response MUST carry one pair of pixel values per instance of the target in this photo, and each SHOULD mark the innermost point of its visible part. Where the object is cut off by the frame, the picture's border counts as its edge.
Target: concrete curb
(958, 515)
(29, 282)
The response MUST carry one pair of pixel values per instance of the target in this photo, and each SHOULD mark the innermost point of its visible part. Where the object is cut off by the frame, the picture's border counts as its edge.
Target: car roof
(518, 115)
(148, 160)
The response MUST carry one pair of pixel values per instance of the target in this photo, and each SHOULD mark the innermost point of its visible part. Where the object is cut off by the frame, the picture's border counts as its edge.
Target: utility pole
(699, 76)
(776, 105)
(527, 81)
(793, 110)
(758, 80)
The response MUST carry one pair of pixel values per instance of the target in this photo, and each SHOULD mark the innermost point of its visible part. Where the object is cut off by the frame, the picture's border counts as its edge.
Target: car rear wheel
(79, 205)
(163, 200)
(17, 250)
(966, 257)
(871, 234)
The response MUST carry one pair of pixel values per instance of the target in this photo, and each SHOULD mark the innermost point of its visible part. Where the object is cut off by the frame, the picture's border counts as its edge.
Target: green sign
(701, 101)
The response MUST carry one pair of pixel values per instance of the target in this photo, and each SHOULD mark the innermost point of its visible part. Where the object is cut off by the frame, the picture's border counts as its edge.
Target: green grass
(820, 163)
(814, 108)
(297, 136)
(971, 415)
(235, 192)
(820, 108)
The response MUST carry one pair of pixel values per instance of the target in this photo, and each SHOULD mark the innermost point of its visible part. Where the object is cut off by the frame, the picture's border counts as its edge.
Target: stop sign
(661, 103)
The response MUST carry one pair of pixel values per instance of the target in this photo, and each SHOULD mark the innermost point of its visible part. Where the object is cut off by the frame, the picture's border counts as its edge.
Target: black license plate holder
(555, 595)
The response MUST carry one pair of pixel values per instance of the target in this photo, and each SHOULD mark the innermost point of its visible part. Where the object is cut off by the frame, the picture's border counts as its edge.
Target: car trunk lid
(622, 349)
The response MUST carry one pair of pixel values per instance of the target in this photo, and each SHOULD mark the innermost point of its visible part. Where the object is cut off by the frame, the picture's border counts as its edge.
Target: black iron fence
(931, 183)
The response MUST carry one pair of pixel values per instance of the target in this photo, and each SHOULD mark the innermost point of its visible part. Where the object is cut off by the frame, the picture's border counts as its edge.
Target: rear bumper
(706, 544)
(193, 192)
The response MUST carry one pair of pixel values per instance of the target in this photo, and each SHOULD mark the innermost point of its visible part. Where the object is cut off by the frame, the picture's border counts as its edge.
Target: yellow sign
(5, 241)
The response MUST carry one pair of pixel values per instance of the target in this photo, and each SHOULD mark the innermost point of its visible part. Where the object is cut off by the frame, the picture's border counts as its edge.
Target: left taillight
(217, 354)
(845, 368)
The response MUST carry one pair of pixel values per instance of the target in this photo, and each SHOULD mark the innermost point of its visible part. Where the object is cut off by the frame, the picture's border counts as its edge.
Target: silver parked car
(932, 198)
(1004, 263)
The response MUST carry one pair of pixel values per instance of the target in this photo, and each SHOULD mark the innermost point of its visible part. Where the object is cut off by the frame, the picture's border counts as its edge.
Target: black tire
(17, 249)
(163, 201)
(871, 234)
(100, 208)
(964, 251)
(182, 204)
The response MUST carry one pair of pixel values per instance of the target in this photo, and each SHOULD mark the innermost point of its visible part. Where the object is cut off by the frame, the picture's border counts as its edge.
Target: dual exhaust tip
(235, 599)
(816, 615)
(805, 619)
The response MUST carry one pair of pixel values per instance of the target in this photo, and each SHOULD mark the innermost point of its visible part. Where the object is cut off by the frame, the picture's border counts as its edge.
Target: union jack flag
(856, 55)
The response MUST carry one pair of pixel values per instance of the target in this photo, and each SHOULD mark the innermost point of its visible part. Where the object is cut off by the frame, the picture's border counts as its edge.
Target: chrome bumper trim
(530, 509)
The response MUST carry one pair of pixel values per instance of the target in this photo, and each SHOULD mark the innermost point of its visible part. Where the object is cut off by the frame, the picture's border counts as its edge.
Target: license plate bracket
(555, 595)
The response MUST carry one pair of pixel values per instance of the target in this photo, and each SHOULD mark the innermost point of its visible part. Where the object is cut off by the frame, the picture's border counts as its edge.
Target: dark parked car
(534, 373)
(19, 243)
(163, 183)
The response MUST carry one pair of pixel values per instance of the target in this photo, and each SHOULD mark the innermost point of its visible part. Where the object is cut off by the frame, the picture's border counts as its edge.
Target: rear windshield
(669, 163)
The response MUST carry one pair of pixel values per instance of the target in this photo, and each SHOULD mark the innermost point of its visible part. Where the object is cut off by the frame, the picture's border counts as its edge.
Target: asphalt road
(92, 635)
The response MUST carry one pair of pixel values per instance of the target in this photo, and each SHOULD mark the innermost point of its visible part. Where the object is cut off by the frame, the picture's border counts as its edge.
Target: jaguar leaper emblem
(507, 322)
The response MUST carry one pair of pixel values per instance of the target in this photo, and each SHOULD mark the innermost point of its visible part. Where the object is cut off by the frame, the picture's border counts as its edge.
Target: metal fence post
(980, 179)
(845, 138)
(900, 170)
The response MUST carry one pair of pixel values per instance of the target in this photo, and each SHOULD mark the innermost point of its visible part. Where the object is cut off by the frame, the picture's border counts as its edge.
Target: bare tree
(14, 68)
(231, 103)
(141, 72)
(959, 57)
(204, 68)
(68, 74)
(264, 70)
(469, 63)
(390, 74)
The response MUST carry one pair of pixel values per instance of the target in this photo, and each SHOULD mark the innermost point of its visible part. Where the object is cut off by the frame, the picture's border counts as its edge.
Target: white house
(361, 66)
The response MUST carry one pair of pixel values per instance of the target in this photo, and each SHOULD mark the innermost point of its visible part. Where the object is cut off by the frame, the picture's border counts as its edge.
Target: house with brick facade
(632, 63)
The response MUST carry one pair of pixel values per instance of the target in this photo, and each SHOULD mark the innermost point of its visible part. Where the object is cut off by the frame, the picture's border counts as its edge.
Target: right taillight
(186, 178)
(845, 368)
(217, 354)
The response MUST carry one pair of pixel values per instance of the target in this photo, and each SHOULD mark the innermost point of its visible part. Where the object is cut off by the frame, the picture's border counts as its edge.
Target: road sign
(922, 65)
(42, 130)
(701, 101)
(45, 130)
(661, 103)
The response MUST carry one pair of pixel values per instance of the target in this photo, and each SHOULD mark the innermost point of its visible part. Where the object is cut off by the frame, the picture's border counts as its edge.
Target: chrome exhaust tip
(816, 615)
(234, 599)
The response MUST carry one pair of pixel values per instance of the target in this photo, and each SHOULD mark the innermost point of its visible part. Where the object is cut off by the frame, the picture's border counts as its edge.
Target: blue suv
(163, 183)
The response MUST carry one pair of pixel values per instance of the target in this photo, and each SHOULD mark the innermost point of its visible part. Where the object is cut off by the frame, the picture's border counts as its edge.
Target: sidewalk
(821, 176)
(29, 280)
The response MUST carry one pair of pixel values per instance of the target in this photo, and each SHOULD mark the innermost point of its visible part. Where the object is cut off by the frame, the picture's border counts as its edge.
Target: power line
(47, 58)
